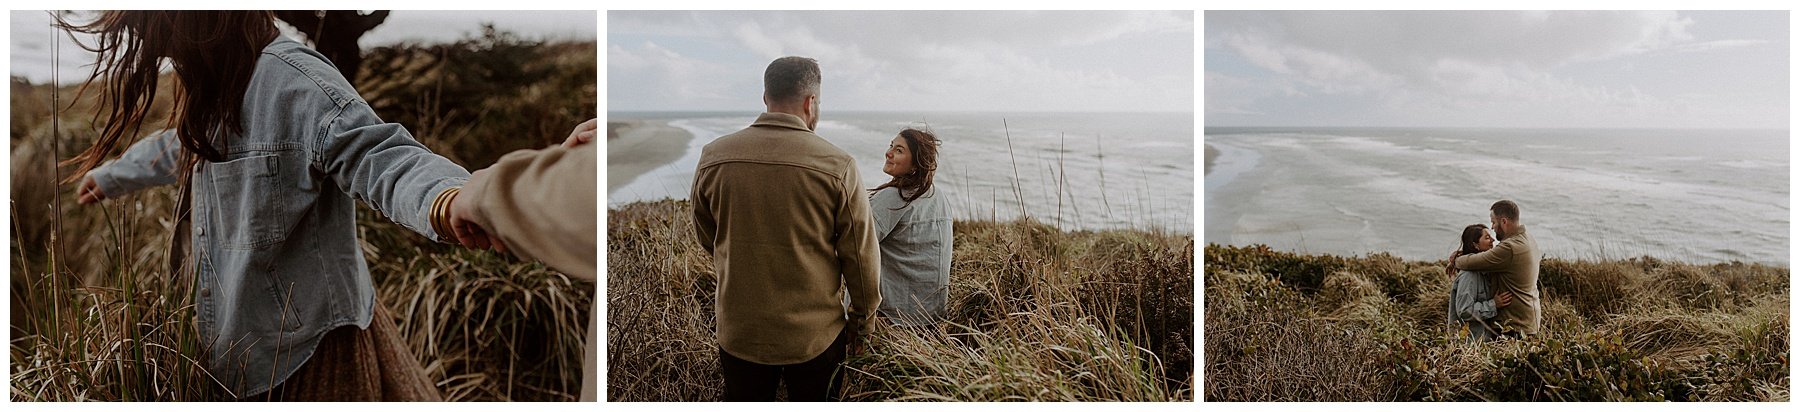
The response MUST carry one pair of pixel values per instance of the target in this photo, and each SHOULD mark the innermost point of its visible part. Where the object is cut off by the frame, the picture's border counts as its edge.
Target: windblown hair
(923, 146)
(213, 53)
(1470, 236)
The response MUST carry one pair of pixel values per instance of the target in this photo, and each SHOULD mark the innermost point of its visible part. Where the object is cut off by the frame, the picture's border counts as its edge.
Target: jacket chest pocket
(247, 202)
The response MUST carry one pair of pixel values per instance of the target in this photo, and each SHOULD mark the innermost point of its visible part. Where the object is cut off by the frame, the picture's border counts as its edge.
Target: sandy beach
(1211, 154)
(635, 146)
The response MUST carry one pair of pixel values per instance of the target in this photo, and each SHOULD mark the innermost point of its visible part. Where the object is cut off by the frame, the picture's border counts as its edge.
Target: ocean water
(1114, 170)
(1693, 195)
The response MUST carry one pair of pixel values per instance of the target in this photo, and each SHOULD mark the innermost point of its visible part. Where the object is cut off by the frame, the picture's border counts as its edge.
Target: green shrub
(1594, 368)
(1304, 272)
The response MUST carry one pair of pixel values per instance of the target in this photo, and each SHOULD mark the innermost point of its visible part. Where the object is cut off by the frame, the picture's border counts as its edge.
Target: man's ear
(811, 103)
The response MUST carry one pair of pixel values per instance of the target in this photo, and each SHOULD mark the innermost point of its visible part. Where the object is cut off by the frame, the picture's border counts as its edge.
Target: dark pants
(815, 380)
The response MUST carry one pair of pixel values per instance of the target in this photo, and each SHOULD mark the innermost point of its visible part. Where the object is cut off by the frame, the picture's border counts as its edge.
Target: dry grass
(1035, 314)
(1365, 330)
(97, 317)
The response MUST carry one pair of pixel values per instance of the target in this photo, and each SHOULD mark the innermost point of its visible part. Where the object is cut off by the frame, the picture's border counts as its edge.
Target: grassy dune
(1035, 314)
(1286, 327)
(96, 316)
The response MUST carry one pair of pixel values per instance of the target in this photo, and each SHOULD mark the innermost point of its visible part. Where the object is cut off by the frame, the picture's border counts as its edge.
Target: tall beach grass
(1035, 313)
(1284, 326)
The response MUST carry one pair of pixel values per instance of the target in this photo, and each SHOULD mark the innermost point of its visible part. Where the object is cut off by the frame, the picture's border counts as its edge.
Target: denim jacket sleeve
(887, 206)
(380, 164)
(148, 163)
(1474, 301)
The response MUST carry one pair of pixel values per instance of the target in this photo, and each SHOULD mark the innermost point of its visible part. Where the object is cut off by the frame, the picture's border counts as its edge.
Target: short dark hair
(1506, 209)
(789, 78)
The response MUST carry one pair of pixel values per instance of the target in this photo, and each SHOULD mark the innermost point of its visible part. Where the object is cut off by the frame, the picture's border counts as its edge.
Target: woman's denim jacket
(276, 259)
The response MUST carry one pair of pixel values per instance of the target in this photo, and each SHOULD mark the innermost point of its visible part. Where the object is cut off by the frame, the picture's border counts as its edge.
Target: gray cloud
(1467, 66)
(936, 60)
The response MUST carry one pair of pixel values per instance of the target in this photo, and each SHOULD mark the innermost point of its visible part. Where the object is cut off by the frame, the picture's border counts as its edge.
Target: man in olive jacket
(785, 217)
(1513, 267)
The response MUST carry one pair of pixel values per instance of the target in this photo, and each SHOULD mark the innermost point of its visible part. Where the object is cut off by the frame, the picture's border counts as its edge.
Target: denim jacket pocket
(247, 200)
(283, 294)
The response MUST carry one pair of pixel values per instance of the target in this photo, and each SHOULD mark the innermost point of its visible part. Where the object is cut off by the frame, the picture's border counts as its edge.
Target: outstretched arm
(380, 164)
(150, 162)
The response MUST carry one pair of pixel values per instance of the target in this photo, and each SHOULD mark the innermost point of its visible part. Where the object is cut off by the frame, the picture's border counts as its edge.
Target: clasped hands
(462, 211)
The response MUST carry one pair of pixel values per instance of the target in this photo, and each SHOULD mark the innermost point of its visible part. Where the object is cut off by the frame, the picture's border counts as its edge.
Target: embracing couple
(1495, 295)
(806, 259)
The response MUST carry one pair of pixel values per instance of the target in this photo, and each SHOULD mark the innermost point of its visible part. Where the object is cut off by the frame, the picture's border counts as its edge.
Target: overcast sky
(1497, 69)
(32, 34)
(901, 60)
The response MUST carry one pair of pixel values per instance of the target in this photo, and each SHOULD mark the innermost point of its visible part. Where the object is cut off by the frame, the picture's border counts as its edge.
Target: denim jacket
(275, 255)
(1472, 305)
(916, 242)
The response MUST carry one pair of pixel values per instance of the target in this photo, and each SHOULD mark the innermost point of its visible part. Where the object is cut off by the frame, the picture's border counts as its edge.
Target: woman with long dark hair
(912, 224)
(272, 148)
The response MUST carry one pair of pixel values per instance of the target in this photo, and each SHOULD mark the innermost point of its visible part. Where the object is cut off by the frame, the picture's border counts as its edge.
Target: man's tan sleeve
(1493, 259)
(705, 228)
(858, 254)
(541, 204)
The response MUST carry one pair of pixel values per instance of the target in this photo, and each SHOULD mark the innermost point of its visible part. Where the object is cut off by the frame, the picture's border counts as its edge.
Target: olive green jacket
(785, 217)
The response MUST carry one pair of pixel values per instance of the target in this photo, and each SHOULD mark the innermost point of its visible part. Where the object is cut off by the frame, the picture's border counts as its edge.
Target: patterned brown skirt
(359, 365)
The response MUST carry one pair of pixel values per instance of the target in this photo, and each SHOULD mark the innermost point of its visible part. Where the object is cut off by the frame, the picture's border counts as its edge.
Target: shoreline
(636, 146)
(1221, 209)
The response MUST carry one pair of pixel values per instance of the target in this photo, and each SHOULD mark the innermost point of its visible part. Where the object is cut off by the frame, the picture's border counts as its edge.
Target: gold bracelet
(437, 219)
(449, 200)
(444, 210)
(440, 212)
